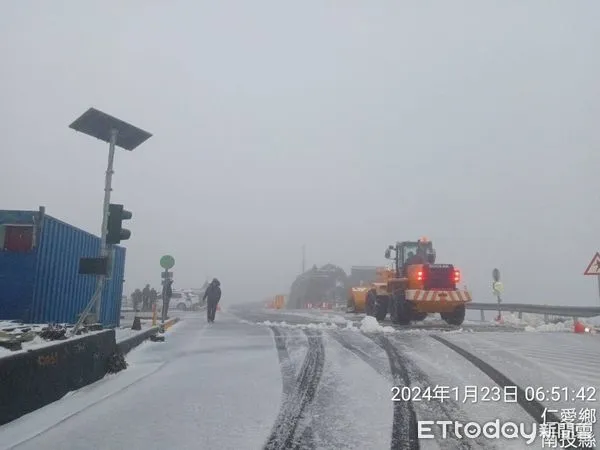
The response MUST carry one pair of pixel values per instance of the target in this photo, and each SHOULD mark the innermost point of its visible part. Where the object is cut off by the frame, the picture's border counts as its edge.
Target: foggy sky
(344, 126)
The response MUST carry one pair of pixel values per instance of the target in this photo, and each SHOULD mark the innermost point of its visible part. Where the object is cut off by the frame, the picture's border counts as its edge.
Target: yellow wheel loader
(413, 288)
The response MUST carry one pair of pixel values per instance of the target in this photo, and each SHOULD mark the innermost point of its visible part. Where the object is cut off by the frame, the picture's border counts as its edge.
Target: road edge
(124, 346)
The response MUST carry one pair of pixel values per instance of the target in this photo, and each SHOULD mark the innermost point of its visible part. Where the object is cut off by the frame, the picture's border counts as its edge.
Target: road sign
(167, 262)
(497, 287)
(496, 275)
(166, 274)
(594, 266)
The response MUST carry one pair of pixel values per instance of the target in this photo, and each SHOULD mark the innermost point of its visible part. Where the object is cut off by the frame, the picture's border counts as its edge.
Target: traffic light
(116, 215)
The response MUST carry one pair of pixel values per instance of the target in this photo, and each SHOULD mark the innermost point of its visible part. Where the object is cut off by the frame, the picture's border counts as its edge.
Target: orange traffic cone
(578, 327)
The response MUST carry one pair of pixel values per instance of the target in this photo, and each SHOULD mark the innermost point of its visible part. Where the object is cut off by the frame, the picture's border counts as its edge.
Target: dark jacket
(213, 292)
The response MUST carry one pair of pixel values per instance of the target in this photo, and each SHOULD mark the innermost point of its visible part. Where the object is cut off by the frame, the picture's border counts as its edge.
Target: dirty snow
(313, 326)
(560, 360)
(536, 323)
(351, 393)
(37, 342)
(316, 314)
(370, 325)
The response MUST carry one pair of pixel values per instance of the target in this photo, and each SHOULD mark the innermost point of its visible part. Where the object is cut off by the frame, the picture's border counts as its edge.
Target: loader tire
(419, 316)
(381, 309)
(350, 307)
(369, 310)
(401, 310)
(456, 317)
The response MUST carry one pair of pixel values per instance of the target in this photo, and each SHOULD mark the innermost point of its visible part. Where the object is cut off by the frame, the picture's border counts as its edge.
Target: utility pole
(114, 132)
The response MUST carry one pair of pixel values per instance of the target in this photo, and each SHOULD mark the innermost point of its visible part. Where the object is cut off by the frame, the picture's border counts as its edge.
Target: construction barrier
(277, 303)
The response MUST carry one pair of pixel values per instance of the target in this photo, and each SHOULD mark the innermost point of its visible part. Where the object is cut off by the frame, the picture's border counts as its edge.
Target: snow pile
(536, 323)
(531, 320)
(555, 327)
(350, 326)
(13, 324)
(370, 325)
(527, 320)
(594, 321)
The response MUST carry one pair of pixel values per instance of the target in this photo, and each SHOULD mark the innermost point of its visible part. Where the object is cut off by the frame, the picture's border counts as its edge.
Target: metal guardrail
(546, 310)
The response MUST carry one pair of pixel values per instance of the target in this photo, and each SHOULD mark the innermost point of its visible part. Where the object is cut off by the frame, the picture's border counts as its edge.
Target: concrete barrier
(32, 379)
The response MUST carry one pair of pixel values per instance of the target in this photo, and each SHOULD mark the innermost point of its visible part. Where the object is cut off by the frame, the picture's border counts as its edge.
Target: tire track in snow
(285, 363)
(534, 408)
(405, 372)
(448, 409)
(404, 424)
(301, 396)
(375, 363)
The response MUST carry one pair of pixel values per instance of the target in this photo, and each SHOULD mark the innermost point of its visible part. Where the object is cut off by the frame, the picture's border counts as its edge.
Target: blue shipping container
(39, 270)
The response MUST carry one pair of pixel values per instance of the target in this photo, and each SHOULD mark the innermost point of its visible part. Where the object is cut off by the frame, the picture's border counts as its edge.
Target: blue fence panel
(60, 293)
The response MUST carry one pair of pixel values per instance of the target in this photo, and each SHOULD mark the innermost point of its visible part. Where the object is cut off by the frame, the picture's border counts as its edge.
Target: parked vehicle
(184, 300)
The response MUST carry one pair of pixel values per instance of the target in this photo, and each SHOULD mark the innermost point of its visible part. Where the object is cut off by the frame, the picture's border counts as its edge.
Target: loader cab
(404, 250)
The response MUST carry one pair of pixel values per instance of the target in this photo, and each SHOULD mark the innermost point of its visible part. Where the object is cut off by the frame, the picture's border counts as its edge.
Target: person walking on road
(146, 298)
(212, 297)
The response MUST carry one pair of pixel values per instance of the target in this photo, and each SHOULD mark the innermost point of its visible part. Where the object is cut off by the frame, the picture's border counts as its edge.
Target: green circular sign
(167, 262)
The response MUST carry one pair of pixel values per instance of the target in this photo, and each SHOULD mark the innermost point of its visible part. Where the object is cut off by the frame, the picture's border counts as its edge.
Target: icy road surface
(307, 384)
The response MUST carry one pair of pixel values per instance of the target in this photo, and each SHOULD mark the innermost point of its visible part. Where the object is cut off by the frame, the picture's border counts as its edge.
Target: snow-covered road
(236, 384)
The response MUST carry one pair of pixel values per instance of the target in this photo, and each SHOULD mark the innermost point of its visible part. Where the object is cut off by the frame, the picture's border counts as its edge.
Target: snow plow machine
(412, 288)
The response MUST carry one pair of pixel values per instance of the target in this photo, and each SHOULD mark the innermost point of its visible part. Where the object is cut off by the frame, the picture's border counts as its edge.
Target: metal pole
(499, 311)
(164, 312)
(107, 191)
(599, 284)
(97, 297)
